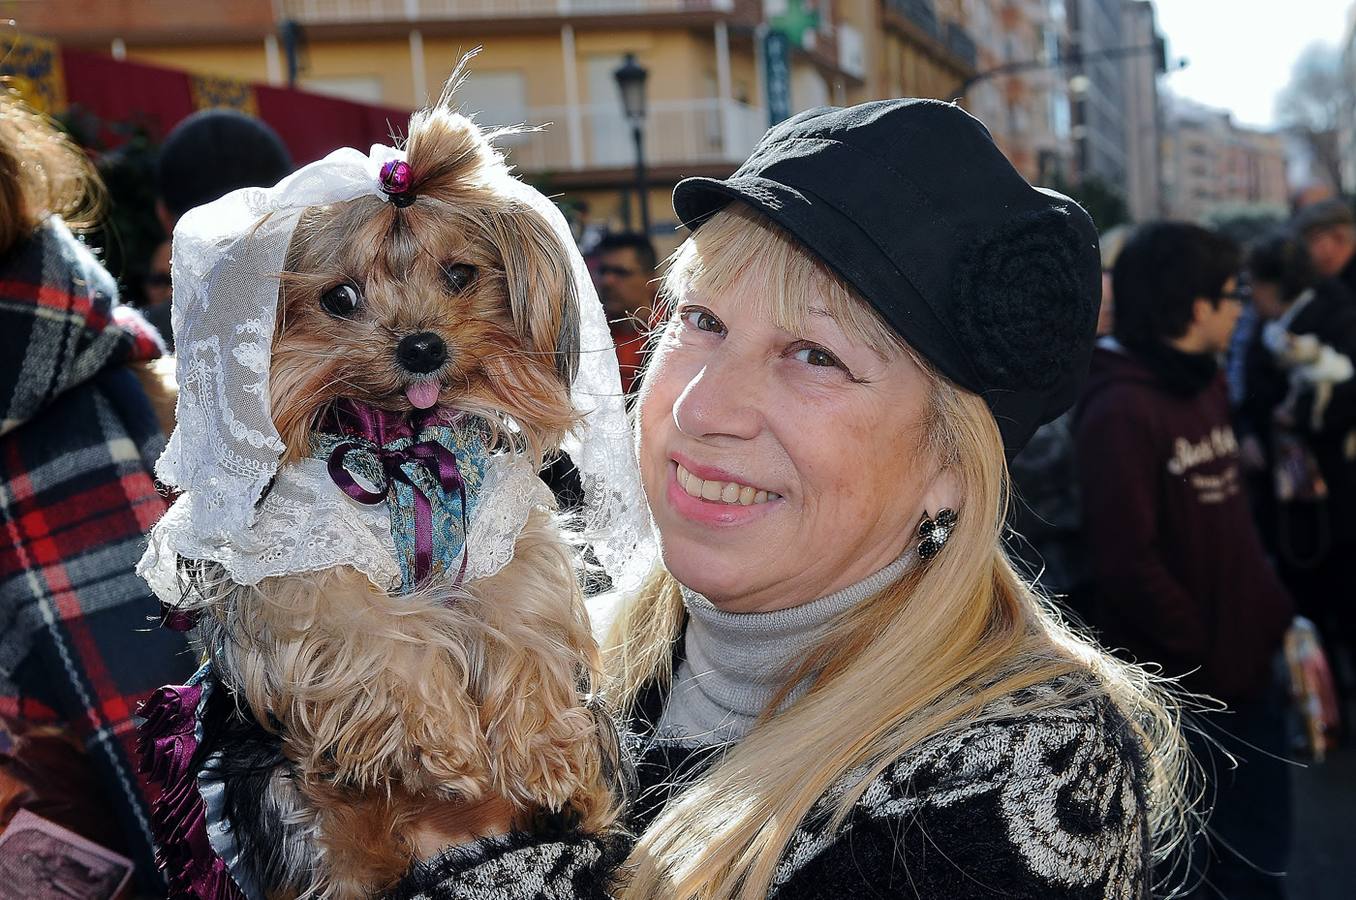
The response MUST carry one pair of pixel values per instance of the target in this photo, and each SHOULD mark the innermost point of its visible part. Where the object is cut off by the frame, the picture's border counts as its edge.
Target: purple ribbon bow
(379, 427)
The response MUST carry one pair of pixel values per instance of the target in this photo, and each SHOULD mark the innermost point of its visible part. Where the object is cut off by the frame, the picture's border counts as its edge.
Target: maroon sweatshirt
(1182, 579)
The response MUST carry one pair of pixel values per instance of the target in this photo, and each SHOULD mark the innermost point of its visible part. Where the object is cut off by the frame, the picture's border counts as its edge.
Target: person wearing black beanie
(211, 153)
(205, 157)
(1182, 578)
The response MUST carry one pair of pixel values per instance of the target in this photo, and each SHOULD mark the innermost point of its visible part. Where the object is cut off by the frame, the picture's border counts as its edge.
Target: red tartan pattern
(77, 306)
(41, 538)
(78, 642)
(28, 709)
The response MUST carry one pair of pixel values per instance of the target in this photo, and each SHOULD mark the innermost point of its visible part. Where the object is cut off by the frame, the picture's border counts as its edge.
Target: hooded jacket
(1181, 577)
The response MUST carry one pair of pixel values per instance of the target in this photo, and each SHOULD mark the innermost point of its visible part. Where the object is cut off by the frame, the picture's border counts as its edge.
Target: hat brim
(835, 239)
(696, 199)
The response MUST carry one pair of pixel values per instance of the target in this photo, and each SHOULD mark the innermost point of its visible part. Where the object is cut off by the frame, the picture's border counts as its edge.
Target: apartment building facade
(1097, 87)
(1212, 164)
(551, 63)
(1143, 113)
(1027, 109)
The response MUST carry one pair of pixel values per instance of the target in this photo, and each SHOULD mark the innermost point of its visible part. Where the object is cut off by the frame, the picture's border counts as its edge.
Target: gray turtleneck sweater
(734, 663)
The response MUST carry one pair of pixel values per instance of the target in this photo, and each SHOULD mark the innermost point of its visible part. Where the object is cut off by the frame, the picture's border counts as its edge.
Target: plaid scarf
(77, 495)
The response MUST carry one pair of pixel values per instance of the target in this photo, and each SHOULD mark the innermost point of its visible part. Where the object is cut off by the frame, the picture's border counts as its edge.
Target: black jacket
(1348, 276)
(1331, 317)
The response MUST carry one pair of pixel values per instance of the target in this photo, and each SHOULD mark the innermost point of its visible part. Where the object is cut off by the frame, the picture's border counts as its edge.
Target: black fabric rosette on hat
(996, 283)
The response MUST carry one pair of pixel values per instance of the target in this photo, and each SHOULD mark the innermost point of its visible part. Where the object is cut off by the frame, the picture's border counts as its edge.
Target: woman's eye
(817, 356)
(702, 320)
(341, 301)
(459, 276)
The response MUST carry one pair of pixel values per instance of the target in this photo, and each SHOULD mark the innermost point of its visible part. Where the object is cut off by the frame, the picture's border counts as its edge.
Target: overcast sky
(1241, 51)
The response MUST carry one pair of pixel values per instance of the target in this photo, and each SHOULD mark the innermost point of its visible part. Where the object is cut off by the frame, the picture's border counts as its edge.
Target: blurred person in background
(206, 156)
(624, 271)
(1181, 576)
(1111, 244)
(1046, 517)
(211, 153)
(156, 288)
(78, 436)
(1328, 229)
(1301, 404)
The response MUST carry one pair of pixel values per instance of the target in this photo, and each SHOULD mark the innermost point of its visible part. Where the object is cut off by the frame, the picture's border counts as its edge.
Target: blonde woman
(840, 686)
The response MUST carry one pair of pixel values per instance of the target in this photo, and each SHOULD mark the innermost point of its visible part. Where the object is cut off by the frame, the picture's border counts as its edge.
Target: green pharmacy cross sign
(784, 30)
(796, 21)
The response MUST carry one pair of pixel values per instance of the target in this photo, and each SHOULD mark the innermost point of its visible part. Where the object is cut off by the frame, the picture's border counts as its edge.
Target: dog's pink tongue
(422, 394)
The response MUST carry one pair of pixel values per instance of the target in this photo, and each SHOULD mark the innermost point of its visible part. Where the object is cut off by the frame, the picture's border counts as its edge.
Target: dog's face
(462, 301)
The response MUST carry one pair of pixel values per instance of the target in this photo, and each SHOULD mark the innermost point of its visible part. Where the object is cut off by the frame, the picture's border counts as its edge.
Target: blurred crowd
(1200, 496)
(1203, 492)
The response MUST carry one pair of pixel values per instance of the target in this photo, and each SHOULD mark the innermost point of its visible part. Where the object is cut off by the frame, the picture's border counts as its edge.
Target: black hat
(994, 282)
(215, 151)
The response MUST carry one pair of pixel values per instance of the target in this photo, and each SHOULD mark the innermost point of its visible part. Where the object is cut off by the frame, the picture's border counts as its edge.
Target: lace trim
(307, 524)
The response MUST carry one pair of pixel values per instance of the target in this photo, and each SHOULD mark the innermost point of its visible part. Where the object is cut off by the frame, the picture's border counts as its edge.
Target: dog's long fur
(356, 726)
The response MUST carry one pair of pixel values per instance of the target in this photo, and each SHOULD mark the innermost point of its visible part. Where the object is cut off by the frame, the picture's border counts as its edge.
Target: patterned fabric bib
(428, 470)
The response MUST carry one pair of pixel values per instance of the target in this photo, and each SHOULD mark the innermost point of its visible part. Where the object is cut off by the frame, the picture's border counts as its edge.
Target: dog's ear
(541, 287)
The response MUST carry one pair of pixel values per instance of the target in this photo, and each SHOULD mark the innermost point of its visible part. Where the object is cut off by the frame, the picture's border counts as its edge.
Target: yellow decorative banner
(32, 66)
(213, 91)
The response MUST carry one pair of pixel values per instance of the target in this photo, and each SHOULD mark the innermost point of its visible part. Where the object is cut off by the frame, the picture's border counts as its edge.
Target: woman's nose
(722, 399)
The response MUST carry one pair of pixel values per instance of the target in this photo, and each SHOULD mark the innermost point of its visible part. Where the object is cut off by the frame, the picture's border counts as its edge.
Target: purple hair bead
(395, 177)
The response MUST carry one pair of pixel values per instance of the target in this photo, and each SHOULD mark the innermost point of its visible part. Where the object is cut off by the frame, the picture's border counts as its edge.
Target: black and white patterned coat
(519, 867)
(1048, 804)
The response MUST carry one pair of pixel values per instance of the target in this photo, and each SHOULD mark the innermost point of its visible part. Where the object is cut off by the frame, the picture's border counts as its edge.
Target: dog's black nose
(422, 352)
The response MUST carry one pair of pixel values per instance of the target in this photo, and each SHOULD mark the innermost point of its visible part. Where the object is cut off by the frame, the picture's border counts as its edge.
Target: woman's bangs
(742, 256)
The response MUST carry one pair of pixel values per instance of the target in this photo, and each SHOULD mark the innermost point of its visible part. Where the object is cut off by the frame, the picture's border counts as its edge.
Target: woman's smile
(716, 501)
(717, 490)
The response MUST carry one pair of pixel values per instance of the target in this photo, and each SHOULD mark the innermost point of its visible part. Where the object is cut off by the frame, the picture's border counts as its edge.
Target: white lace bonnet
(225, 450)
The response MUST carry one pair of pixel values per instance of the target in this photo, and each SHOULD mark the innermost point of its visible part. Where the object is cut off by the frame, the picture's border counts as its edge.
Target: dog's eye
(341, 300)
(459, 276)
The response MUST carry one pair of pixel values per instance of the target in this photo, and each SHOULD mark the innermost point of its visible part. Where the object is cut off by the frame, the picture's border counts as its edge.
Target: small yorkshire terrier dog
(358, 730)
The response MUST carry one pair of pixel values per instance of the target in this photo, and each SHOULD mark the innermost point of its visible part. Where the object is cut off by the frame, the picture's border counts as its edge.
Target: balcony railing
(959, 42)
(680, 133)
(318, 12)
(922, 13)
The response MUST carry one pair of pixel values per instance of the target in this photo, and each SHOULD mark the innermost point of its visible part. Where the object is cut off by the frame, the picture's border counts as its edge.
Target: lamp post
(631, 77)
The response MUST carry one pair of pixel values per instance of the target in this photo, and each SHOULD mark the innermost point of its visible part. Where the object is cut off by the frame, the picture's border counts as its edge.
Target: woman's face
(780, 467)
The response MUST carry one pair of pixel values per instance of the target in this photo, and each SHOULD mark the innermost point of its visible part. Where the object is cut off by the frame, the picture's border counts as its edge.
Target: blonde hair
(42, 173)
(921, 658)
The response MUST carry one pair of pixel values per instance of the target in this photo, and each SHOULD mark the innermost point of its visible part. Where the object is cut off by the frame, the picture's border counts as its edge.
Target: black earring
(935, 532)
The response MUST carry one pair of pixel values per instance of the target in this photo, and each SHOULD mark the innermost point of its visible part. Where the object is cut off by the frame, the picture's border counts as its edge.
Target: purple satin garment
(382, 427)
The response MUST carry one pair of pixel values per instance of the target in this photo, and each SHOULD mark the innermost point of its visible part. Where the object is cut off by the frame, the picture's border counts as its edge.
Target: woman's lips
(714, 490)
(719, 511)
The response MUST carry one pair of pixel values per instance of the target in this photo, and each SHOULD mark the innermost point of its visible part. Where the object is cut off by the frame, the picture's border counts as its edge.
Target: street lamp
(631, 77)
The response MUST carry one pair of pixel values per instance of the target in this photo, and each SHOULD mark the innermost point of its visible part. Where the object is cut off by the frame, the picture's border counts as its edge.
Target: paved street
(1323, 865)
